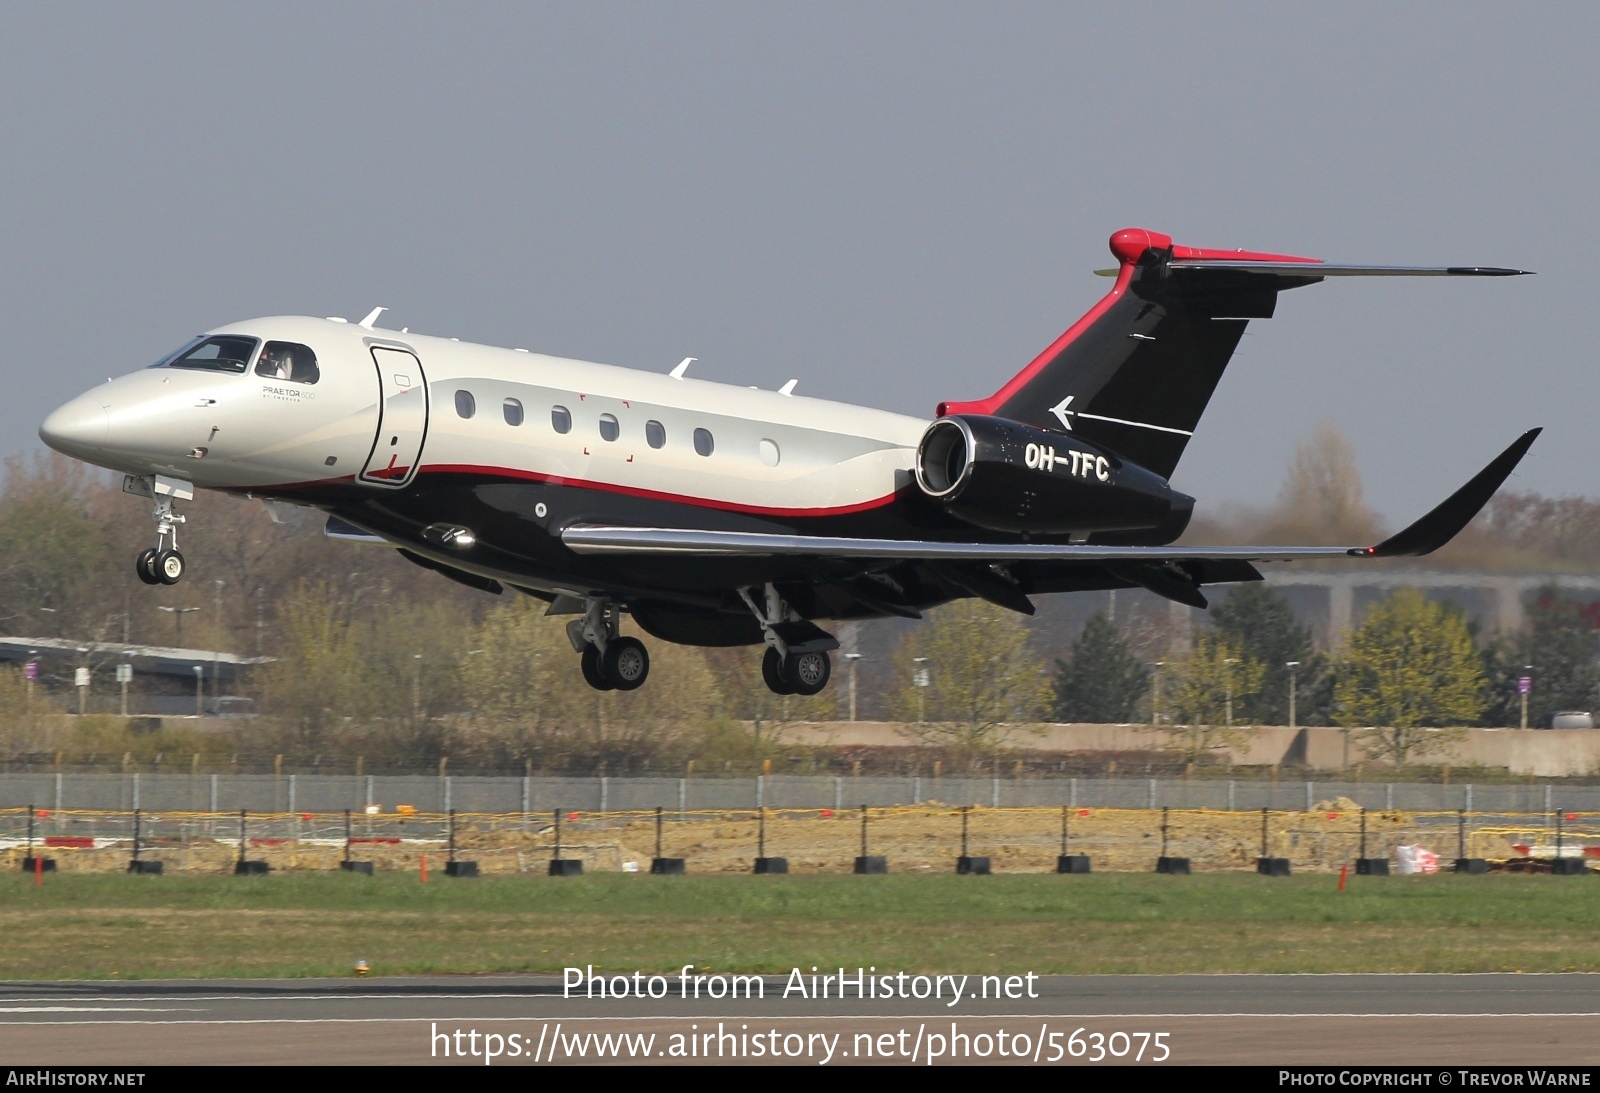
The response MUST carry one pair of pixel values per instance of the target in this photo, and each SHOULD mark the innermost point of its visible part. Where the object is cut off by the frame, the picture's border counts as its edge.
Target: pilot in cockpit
(275, 363)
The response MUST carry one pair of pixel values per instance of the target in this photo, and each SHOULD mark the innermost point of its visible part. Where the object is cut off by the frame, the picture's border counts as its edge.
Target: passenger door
(402, 418)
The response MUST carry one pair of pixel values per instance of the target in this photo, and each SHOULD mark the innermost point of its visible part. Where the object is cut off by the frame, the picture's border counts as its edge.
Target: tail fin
(1137, 371)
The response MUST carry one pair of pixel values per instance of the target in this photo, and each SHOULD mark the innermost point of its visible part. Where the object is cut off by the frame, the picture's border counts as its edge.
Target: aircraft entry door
(402, 418)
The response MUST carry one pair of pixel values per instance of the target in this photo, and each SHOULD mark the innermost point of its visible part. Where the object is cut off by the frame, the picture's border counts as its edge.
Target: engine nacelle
(1005, 476)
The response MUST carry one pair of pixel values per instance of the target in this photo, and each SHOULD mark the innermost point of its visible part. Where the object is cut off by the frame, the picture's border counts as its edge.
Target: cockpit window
(288, 361)
(223, 353)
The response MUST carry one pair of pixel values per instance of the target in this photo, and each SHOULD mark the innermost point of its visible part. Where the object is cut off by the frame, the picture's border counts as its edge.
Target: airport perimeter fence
(912, 838)
(317, 793)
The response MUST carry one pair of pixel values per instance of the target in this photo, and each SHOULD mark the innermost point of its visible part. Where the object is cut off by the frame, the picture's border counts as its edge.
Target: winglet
(681, 367)
(1456, 512)
(372, 317)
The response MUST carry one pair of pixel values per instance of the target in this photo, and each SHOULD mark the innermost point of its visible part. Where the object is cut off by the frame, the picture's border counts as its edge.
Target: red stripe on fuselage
(655, 495)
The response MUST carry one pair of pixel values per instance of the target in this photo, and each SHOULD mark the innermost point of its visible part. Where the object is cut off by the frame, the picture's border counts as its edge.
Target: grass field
(102, 927)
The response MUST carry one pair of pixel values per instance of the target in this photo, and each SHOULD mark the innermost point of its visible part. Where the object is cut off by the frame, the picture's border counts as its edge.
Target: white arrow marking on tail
(1062, 413)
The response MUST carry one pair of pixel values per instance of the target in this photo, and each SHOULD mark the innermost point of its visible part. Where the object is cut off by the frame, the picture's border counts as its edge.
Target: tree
(982, 676)
(1321, 500)
(1103, 681)
(1258, 621)
(1560, 645)
(1409, 667)
(1213, 676)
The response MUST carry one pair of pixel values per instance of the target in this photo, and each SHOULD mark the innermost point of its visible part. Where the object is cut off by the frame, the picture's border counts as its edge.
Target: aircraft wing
(1423, 537)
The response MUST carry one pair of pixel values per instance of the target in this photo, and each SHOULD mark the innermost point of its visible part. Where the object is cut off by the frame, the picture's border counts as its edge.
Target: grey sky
(894, 203)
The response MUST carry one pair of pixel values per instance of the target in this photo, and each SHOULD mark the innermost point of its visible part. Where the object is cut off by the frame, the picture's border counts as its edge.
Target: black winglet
(1456, 512)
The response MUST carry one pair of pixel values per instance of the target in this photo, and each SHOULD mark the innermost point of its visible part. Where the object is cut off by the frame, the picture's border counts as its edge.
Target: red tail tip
(1129, 243)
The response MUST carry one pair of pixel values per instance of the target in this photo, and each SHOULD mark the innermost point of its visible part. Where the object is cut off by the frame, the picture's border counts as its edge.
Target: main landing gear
(162, 564)
(796, 660)
(609, 662)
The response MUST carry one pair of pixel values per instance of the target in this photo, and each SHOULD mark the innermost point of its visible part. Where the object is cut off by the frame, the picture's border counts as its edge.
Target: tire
(169, 567)
(593, 675)
(808, 673)
(145, 566)
(626, 663)
(772, 673)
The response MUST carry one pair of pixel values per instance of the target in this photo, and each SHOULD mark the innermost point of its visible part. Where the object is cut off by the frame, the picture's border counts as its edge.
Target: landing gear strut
(609, 662)
(162, 564)
(796, 661)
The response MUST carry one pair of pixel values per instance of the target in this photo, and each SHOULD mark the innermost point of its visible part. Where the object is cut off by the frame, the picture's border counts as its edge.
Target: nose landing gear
(609, 662)
(162, 564)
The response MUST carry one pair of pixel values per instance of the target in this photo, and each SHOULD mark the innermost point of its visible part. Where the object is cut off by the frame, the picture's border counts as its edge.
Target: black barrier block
(977, 867)
(1272, 867)
(1472, 865)
(362, 867)
(668, 867)
(47, 865)
(769, 866)
(1072, 863)
(460, 868)
(566, 867)
(871, 864)
(1569, 867)
(251, 868)
(1178, 867)
(148, 868)
(1372, 867)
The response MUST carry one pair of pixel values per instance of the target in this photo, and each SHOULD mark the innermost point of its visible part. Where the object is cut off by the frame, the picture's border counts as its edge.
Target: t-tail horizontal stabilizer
(1456, 512)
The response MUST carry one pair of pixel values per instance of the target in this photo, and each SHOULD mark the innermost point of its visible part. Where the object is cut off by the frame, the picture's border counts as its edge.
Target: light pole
(81, 678)
(1227, 673)
(199, 690)
(177, 614)
(920, 679)
(854, 659)
(1294, 670)
(1524, 686)
(1155, 698)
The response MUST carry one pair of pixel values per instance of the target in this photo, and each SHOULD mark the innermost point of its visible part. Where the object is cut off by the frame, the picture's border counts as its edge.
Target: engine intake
(1006, 476)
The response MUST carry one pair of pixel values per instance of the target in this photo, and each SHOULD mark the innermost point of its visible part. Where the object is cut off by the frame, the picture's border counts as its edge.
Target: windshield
(223, 353)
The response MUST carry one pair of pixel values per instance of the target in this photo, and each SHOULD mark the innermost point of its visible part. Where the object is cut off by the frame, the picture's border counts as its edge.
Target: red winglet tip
(1128, 244)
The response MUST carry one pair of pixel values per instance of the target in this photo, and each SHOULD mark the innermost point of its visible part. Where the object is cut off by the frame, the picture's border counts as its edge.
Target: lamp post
(1155, 697)
(1294, 670)
(1227, 674)
(1524, 686)
(177, 614)
(854, 659)
(199, 690)
(920, 679)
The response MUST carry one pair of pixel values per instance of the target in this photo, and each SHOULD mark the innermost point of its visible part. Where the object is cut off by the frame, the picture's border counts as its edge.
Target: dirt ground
(922, 838)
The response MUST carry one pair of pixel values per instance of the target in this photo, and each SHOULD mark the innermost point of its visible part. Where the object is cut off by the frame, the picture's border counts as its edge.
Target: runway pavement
(1335, 1020)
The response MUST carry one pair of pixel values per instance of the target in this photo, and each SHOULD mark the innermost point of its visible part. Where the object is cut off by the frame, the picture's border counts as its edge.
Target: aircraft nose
(79, 428)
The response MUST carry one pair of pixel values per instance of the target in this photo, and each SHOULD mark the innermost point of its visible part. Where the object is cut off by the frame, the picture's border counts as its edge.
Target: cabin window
(703, 442)
(289, 361)
(769, 453)
(561, 419)
(466, 405)
(513, 411)
(655, 434)
(224, 353)
(609, 428)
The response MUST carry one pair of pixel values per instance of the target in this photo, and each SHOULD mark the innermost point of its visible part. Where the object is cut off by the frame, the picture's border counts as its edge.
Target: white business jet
(722, 515)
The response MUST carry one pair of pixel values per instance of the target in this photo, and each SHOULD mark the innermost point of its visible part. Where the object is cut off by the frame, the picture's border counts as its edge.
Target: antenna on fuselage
(683, 366)
(788, 388)
(372, 317)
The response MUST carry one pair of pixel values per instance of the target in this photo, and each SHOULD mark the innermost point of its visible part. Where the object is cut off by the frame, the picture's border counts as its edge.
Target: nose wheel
(162, 564)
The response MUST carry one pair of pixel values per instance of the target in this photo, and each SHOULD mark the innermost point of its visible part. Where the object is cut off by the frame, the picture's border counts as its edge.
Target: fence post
(292, 795)
(683, 796)
(1547, 804)
(213, 793)
(369, 791)
(527, 796)
(1150, 798)
(1230, 796)
(1072, 795)
(761, 791)
(1388, 796)
(994, 793)
(1467, 802)
(916, 789)
(838, 792)
(605, 794)
(58, 791)
(136, 792)
(1310, 796)
(448, 796)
